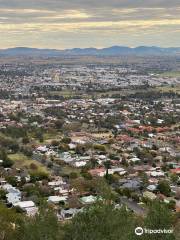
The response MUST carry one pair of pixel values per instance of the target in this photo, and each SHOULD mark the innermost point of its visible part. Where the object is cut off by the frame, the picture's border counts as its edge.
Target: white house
(28, 207)
(57, 199)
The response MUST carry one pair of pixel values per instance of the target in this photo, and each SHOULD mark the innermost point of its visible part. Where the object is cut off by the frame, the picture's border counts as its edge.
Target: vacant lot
(22, 161)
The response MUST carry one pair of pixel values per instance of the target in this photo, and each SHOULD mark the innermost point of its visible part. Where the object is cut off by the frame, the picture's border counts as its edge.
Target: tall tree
(101, 222)
(159, 217)
(44, 226)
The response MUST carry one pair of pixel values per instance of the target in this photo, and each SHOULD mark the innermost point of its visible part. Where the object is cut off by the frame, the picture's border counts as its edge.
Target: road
(133, 206)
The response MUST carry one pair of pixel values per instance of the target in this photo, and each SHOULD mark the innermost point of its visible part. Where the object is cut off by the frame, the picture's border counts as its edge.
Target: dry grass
(22, 161)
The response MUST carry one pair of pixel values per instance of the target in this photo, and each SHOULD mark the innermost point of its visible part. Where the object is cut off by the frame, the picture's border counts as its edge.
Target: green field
(71, 94)
(50, 136)
(68, 93)
(169, 88)
(170, 74)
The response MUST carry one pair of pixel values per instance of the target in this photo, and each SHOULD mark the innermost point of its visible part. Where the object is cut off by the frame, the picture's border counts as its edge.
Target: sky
(65, 24)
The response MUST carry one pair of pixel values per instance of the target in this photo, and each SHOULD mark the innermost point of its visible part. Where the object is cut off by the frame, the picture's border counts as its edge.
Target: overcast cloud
(89, 23)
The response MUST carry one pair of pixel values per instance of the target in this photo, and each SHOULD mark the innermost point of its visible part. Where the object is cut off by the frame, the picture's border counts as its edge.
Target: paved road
(133, 206)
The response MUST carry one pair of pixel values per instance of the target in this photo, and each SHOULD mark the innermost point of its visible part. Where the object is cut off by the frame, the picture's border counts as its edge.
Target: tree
(73, 175)
(86, 175)
(14, 147)
(27, 150)
(55, 143)
(39, 135)
(2, 194)
(38, 175)
(59, 123)
(177, 229)
(101, 222)
(172, 204)
(12, 180)
(80, 149)
(94, 162)
(8, 219)
(66, 140)
(144, 179)
(44, 226)
(164, 187)
(159, 217)
(25, 140)
(100, 147)
(33, 166)
(16, 132)
(107, 165)
(174, 178)
(103, 189)
(64, 147)
(7, 162)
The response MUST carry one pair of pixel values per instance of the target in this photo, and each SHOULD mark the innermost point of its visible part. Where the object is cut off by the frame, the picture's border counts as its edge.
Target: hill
(111, 51)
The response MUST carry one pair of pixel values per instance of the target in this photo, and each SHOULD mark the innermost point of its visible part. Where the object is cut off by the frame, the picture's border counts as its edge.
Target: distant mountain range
(111, 51)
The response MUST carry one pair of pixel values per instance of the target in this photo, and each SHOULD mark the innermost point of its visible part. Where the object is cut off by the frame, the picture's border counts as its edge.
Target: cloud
(89, 19)
(78, 26)
(87, 4)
